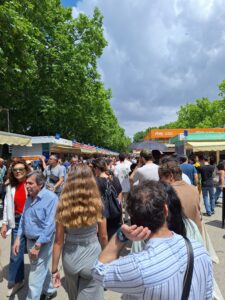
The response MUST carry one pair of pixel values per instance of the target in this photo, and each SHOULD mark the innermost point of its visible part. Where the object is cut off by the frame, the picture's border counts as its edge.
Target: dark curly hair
(176, 216)
(170, 167)
(100, 163)
(12, 179)
(145, 205)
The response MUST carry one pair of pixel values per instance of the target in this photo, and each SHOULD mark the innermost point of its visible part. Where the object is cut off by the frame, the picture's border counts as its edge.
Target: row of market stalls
(202, 142)
(190, 140)
(33, 147)
(185, 141)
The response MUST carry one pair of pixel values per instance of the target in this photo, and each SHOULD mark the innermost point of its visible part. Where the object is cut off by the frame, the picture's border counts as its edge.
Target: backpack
(112, 205)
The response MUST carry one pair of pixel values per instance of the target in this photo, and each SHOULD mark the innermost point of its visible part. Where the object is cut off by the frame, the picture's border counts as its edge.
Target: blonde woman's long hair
(80, 204)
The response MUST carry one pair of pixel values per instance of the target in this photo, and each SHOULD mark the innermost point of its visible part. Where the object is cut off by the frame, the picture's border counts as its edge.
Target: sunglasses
(21, 170)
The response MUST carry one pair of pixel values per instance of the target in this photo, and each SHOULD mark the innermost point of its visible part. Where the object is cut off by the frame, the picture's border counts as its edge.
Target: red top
(20, 198)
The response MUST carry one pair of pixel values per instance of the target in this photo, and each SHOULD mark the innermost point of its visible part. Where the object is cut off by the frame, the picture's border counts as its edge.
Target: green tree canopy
(48, 73)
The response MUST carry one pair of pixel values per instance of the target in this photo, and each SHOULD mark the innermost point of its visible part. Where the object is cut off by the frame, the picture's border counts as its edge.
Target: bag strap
(189, 270)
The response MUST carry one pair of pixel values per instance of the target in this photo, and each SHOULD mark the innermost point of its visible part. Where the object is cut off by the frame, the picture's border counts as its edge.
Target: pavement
(213, 225)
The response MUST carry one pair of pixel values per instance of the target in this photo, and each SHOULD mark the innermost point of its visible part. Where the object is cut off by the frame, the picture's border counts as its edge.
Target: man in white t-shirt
(148, 171)
(122, 171)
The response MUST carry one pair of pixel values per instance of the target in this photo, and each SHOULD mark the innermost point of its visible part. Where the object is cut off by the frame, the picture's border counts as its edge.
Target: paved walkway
(217, 235)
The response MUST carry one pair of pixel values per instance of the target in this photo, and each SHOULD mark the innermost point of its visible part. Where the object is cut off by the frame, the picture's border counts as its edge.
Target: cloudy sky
(161, 54)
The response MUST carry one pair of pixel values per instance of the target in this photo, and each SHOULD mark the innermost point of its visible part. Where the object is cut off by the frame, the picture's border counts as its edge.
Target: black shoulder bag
(189, 270)
(112, 204)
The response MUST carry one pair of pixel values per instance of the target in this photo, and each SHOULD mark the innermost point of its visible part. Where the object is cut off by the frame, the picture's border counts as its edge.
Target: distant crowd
(88, 210)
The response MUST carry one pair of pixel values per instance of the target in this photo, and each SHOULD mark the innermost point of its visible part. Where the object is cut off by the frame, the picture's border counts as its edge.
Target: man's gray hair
(39, 177)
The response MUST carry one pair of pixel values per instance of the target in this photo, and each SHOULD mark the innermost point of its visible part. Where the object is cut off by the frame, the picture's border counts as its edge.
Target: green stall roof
(201, 136)
(206, 136)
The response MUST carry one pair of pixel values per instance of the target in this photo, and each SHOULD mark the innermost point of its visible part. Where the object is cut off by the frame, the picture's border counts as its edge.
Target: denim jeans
(219, 190)
(209, 199)
(40, 279)
(16, 265)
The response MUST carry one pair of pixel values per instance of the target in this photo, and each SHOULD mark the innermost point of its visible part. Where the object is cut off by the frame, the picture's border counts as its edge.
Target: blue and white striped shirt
(158, 271)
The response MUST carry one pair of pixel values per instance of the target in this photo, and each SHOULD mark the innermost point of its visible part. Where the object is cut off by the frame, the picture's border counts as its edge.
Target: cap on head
(146, 154)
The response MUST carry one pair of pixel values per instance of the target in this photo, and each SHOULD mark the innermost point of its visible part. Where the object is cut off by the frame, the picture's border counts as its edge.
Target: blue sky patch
(69, 2)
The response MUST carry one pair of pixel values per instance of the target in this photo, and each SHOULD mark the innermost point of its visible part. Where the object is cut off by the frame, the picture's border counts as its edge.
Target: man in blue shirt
(189, 170)
(38, 225)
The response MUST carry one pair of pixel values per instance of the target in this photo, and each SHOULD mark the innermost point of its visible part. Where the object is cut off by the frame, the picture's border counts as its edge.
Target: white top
(186, 178)
(122, 172)
(148, 172)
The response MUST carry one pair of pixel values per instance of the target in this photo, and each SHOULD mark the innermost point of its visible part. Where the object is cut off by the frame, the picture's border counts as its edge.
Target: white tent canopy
(15, 139)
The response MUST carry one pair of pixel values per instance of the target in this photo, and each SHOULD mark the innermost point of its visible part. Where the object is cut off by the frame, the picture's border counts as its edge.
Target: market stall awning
(207, 146)
(14, 139)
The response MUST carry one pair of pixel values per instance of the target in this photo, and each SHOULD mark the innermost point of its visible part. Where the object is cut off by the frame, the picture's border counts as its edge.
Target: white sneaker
(12, 291)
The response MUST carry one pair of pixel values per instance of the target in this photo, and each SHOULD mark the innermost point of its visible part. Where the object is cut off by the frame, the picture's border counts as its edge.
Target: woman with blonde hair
(78, 217)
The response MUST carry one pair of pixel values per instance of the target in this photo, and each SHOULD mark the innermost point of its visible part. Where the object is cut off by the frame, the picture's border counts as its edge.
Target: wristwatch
(37, 247)
(121, 236)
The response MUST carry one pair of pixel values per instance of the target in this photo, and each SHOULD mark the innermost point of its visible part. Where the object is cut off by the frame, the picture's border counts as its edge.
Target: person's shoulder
(155, 166)
(192, 188)
(199, 250)
(190, 167)
(58, 167)
(47, 194)
(101, 180)
(9, 188)
(119, 167)
(140, 170)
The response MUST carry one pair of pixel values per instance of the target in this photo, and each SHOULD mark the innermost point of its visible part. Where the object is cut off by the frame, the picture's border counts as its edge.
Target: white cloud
(161, 54)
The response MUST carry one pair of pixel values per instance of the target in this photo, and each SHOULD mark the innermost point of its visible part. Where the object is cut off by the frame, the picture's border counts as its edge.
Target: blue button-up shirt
(38, 218)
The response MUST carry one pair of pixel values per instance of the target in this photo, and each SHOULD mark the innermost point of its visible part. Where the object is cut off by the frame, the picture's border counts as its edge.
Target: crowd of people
(86, 211)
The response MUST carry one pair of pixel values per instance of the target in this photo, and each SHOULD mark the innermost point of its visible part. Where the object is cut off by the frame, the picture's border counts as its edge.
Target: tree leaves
(48, 73)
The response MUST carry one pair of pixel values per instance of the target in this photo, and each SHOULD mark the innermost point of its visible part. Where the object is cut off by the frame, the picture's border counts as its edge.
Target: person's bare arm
(114, 247)
(59, 183)
(133, 176)
(196, 179)
(120, 197)
(58, 244)
(221, 178)
(42, 158)
(57, 249)
(102, 233)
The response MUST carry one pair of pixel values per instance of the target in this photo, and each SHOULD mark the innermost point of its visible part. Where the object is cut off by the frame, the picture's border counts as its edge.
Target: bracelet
(53, 273)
